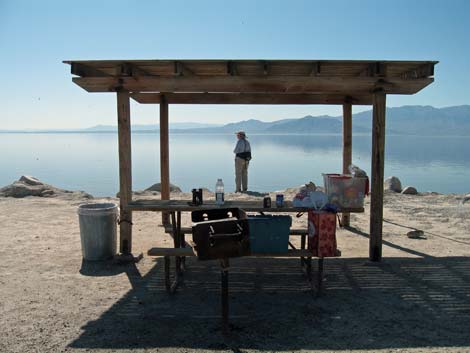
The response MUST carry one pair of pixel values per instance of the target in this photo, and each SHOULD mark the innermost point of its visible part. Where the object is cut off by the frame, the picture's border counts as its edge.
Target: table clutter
(225, 229)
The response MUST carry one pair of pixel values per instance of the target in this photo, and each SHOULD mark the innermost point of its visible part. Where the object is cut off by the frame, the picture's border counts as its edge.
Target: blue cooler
(269, 234)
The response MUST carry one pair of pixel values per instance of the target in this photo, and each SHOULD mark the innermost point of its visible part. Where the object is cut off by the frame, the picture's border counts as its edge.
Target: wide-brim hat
(241, 132)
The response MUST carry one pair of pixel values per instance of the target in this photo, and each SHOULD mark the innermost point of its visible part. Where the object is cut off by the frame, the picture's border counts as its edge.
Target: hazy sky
(35, 36)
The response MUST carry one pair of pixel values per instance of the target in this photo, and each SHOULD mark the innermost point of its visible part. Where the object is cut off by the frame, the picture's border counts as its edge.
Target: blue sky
(35, 36)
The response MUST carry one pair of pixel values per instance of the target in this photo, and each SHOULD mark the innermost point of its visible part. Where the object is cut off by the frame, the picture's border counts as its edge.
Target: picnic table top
(249, 206)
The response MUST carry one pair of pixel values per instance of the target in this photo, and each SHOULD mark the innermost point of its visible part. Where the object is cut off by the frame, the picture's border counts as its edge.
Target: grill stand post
(224, 264)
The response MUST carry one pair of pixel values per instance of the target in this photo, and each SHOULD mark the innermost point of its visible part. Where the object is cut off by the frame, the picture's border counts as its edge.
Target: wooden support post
(347, 148)
(377, 171)
(125, 171)
(164, 156)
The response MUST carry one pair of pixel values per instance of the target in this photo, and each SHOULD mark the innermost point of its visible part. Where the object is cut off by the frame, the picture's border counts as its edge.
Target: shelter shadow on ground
(402, 303)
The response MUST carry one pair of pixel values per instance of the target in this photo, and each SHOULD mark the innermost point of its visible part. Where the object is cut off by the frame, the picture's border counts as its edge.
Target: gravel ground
(416, 300)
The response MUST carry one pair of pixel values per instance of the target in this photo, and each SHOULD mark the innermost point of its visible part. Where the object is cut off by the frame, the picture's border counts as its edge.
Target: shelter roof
(253, 81)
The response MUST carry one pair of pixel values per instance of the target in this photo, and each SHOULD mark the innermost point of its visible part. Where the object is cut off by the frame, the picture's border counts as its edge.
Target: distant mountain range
(402, 120)
(153, 127)
(421, 120)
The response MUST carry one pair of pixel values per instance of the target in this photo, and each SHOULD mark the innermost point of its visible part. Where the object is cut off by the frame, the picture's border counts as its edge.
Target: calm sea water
(89, 162)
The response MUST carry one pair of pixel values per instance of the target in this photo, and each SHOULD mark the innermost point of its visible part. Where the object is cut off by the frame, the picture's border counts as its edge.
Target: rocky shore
(31, 186)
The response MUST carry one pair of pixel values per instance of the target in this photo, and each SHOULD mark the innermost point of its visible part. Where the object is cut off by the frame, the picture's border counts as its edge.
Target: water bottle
(219, 192)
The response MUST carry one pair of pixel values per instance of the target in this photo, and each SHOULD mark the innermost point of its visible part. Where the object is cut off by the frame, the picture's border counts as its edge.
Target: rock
(293, 190)
(409, 190)
(256, 193)
(466, 198)
(310, 186)
(30, 180)
(206, 193)
(153, 190)
(31, 186)
(415, 234)
(392, 183)
(158, 187)
(78, 195)
(356, 171)
(47, 192)
(19, 189)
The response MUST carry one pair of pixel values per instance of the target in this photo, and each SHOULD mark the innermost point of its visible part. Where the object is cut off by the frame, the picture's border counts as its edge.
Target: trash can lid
(97, 209)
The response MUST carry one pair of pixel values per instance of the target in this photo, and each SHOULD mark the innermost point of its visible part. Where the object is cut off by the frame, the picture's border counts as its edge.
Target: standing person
(242, 160)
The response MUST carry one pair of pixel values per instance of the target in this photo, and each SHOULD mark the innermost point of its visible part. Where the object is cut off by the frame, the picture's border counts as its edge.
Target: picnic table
(182, 249)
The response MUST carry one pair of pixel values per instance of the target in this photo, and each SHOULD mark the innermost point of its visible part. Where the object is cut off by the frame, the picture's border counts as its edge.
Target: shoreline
(53, 191)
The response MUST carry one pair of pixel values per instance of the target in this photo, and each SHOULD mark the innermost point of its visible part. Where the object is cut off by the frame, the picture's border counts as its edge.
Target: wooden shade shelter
(167, 82)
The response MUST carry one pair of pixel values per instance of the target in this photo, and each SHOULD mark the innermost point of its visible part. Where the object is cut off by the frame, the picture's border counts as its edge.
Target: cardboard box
(346, 191)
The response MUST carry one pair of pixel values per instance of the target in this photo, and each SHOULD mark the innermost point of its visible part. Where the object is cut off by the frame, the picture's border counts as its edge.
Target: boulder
(409, 190)
(392, 183)
(158, 187)
(19, 189)
(153, 190)
(466, 198)
(415, 234)
(30, 180)
(31, 186)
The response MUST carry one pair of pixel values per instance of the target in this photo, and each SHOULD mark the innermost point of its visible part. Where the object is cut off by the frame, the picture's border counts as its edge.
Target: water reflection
(90, 161)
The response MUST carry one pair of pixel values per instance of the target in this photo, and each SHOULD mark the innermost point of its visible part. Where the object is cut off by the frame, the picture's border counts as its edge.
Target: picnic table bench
(183, 249)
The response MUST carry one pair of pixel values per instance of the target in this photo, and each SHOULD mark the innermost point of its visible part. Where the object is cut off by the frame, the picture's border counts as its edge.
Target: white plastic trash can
(98, 229)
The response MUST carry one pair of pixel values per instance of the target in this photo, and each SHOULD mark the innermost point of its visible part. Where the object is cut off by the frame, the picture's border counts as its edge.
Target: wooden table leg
(176, 223)
(224, 292)
(169, 285)
(302, 246)
(182, 260)
(167, 274)
(176, 242)
(320, 276)
(309, 268)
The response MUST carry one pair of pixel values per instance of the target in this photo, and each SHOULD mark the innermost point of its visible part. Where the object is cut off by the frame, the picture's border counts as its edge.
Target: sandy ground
(416, 300)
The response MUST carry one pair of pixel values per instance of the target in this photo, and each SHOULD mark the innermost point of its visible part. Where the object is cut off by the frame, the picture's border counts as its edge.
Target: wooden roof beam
(263, 84)
(132, 70)
(421, 71)
(182, 70)
(250, 98)
(232, 68)
(315, 69)
(86, 71)
(266, 67)
(375, 69)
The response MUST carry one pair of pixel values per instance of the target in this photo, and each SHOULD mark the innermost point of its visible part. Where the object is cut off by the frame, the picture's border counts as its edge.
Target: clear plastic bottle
(219, 192)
